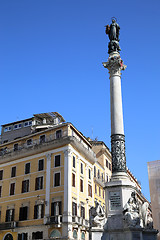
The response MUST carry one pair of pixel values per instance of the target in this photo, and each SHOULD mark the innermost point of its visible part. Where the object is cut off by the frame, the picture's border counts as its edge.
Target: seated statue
(137, 214)
(131, 212)
(97, 218)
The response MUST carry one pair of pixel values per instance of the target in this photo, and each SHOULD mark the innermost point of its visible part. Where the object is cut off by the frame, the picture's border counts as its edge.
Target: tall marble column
(121, 192)
(115, 65)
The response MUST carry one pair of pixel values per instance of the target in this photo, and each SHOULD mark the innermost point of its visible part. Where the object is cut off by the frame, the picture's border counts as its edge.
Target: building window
(8, 237)
(17, 126)
(23, 213)
(39, 211)
(82, 212)
(94, 171)
(107, 178)
(55, 234)
(109, 166)
(95, 188)
(106, 163)
(22, 236)
(27, 168)
(42, 139)
(102, 177)
(98, 173)
(12, 189)
(81, 168)
(81, 185)
(28, 123)
(25, 186)
(74, 234)
(89, 190)
(29, 142)
(9, 215)
(0, 191)
(59, 134)
(57, 161)
(83, 236)
(57, 179)
(1, 174)
(74, 161)
(41, 165)
(7, 129)
(89, 173)
(39, 183)
(13, 172)
(73, 180)
(103, 194)
(37, 235)
(15, 148)
(56, 208)
(74, 209)
(99, 191)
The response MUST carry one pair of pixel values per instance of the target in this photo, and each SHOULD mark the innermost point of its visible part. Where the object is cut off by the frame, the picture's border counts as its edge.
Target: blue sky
(51, 55)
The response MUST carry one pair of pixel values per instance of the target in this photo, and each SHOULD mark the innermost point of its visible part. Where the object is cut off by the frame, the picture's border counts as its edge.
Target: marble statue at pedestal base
(97, 221)
(127, 217)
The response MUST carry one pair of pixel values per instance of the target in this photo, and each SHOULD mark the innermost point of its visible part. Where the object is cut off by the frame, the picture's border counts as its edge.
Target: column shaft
(115, 65)
(116, 105)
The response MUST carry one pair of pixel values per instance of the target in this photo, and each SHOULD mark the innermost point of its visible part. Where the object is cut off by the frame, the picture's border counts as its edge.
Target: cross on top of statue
(113, 33)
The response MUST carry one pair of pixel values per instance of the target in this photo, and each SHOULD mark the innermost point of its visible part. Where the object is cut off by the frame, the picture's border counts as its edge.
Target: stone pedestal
(95, 234)
(119, 191)
(130, 234)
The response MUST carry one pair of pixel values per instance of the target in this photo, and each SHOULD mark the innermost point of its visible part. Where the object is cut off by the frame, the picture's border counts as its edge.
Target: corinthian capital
(114, 65)
(48, 155)
(67, 152)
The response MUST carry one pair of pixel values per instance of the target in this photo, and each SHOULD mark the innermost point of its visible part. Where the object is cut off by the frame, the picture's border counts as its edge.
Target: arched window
(75, 234)
(55, 233)
(83, 236)
(8, 237)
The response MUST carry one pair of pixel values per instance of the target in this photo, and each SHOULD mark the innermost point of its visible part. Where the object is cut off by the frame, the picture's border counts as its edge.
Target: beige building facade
(50, 176)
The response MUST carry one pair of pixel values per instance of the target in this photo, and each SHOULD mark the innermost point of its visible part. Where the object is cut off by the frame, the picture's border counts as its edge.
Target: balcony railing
(8, 225)
(51, 139)
(54, 220)
(99, 180)
(80, 221)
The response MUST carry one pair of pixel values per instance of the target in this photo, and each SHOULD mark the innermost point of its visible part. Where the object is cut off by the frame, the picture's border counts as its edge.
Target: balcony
(77, 220)
(80, 221)
(50, 142)
(85, 223)
(54, 220)
(8, 225)
(100, 181)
